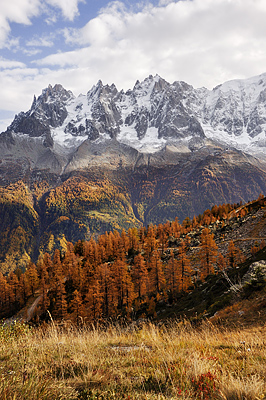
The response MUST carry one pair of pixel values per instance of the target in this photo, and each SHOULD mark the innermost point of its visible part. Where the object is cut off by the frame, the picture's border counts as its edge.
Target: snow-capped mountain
(73, 166)
(235, 113)
(144, 118)
(150, 116)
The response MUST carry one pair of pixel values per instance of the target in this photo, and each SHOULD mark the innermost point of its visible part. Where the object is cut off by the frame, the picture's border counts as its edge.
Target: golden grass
(173, 361)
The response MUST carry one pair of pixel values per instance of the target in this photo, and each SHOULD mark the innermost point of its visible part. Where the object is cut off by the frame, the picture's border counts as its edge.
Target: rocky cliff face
(150, 116)
(47, 112)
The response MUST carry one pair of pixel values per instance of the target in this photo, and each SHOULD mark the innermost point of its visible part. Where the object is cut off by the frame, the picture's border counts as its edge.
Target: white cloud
(69, 7)
(17, 87)
(19, 11)
(9, 64)
(12, 43)
(203, 42)
(164, 2)
(31, 52)
(40, 42)
(51, 19)
(23, 11)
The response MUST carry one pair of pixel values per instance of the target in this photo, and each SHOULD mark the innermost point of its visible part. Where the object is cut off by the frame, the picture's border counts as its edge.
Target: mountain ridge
(138, 157)
(150, 115)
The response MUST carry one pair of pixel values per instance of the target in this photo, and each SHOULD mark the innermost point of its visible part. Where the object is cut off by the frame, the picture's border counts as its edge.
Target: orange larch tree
(124, 242)
(60, 304)
(123, 285)
(172, 276)
(118, 250)
(25, 288)
(162, 237)
(140, 276)
(108, 291)
(150, 243)
(156, 273)
(16, 289)
(77, 276)
(77, 308)
(234, 255)
(93, 301)
(57, 265)
(31, 276)
(207, 253)
(44, 285)
(91, 252)
(221, 262)
(133, 241)
(109, 246)
(70, 261)
(4, 302)
(48, 265)
(183, 268)
(176, 227)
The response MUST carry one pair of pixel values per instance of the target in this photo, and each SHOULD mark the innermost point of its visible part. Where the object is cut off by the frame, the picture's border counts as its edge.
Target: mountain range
(73, 166)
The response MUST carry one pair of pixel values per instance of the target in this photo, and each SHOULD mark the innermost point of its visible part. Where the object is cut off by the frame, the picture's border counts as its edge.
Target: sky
(77, 42)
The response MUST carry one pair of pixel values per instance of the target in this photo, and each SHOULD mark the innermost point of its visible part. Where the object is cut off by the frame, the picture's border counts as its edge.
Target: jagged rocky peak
(47, 111)
(94, 115)
(148, 85)
(99, 91)
(56, 93)
(50, 95)
(158, 107)
(95, 91)
(103, 115)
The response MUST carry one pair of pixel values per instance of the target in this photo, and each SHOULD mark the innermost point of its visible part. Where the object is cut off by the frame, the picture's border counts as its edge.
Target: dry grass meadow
(174, 361)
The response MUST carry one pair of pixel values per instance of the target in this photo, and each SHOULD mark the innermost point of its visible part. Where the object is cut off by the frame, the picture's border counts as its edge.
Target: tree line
(121, 274)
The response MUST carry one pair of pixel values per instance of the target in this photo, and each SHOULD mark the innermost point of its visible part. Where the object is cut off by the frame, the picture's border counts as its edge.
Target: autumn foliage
(124, 274)
(120, 274)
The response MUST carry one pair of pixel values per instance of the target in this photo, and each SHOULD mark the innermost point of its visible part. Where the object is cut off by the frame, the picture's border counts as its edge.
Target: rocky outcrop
(48, 111)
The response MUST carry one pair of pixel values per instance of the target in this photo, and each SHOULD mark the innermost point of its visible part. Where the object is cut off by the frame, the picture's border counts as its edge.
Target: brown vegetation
(174, 361)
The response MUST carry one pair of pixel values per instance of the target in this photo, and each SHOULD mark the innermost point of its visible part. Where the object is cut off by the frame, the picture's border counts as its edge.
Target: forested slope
(131, 274)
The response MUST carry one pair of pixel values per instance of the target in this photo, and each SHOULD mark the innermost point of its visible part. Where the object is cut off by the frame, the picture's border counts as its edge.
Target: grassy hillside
(173, 361)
